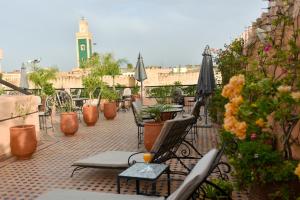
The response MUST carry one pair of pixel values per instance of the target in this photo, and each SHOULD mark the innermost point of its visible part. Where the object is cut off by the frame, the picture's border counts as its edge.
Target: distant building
(1, 58)
(83, 42)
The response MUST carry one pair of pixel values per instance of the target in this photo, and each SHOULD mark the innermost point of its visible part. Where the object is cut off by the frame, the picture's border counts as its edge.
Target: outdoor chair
(77, 93)
(191, 188)
(126, 97)
(196, 113)
(164, 148)
(47, 113)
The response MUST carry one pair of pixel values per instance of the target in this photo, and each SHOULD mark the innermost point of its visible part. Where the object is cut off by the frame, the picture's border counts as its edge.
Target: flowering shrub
(254, 109)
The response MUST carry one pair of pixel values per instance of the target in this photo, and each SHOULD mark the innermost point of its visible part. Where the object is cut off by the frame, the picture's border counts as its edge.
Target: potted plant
(152, 128)
(90, 111)
(135, 92)
(110, 107)
(23, 140)
(68, 119)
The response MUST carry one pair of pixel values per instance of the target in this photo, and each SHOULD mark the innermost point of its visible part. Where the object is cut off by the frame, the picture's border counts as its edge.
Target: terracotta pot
(263, 192)
(110, 110)
(23, 141)
(151, 132)
(166, 116)
(69, 123)
(134, 97)
(90, 115)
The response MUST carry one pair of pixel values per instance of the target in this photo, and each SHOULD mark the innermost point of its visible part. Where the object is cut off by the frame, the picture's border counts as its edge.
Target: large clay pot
(23, 141)
(69, 123)
(151, 132)
(90, 115)
(166, 116)
(134, 97)
(110, 110)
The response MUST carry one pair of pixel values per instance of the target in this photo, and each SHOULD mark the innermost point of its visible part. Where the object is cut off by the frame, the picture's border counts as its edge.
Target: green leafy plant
(189, 90)
(160, 93)
(112, 66)
(216, 106)
(1, 90)
(214, 194)
(22, 109)
(109, 94)
(41, 77)
(135, 90)
(155, 111)
(66, 106)
(91, 83)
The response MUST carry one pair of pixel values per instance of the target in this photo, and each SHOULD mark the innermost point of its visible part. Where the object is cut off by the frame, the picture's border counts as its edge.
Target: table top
(144, 171)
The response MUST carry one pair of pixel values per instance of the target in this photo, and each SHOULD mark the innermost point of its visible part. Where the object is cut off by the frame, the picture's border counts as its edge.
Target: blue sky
(166, 32)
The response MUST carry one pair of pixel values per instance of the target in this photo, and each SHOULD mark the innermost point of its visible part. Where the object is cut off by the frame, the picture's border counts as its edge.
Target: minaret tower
(83, 42)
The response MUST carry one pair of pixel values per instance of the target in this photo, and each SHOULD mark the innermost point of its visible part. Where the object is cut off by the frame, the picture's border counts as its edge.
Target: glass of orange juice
(147, 157)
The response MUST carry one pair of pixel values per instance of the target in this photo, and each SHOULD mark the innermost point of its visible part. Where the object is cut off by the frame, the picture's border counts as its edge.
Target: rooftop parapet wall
(7, 118)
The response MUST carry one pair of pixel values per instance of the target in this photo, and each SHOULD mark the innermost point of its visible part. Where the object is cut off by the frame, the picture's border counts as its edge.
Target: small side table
(140, 171)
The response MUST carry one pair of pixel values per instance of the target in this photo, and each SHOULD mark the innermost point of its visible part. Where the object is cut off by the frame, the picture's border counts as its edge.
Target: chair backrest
(196, 177)
(135, 113)
(170, 138)
(196, 109)
(127, 92)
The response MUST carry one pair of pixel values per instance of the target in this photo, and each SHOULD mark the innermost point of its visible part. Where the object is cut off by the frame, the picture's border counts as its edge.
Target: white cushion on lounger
(84, 195)
(195, 177)
(110, 159)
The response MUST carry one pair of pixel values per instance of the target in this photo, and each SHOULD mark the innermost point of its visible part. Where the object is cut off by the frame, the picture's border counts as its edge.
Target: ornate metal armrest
(131, 161)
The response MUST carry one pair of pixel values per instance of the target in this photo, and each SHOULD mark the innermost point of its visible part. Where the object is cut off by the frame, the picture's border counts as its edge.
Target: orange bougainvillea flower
(237, 100)
(232, 91)
(230, 109)
(284, 88)
(234, 87)
(260, 122)
(295, 95)
(297, 170)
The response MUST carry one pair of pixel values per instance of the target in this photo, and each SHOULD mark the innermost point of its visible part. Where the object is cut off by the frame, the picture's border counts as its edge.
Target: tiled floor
(50, 167)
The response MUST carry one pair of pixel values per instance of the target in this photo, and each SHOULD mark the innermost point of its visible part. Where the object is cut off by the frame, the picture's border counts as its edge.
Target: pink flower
(253, 136)
(267, 48)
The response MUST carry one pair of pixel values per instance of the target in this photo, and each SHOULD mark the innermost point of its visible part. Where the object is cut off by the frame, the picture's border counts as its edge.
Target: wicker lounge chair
(164, 148)
(189, 189)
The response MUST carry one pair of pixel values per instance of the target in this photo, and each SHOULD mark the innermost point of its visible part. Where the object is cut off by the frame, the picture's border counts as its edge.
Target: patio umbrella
(140, 73)
(23, 79)
(206, 81)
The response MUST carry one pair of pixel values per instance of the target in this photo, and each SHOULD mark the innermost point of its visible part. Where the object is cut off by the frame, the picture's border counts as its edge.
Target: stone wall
(281, 34)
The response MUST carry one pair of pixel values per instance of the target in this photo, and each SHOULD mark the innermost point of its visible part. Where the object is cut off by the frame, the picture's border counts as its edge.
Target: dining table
(171, 112)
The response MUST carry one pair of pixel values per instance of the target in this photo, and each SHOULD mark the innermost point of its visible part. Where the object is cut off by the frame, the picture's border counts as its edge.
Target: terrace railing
(14, 87)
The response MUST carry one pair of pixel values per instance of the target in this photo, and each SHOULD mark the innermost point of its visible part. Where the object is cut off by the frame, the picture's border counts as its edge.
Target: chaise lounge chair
(164, 148)
(191, 188)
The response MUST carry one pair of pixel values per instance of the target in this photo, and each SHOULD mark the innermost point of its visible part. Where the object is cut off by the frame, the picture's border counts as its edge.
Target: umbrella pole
(206, 125)
(142, 92)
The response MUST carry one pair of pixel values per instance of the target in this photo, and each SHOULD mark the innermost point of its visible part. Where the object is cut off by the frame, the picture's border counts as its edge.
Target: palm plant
(112, 66)
(91, 83)
(41, 77)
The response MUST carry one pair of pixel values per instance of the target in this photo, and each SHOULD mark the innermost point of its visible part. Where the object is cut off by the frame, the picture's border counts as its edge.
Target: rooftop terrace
(50, 167)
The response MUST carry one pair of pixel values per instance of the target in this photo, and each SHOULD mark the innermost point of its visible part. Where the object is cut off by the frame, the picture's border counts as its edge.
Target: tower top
(83, 25)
